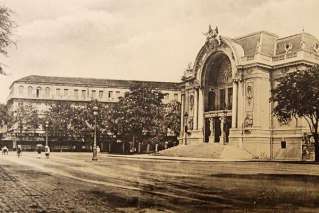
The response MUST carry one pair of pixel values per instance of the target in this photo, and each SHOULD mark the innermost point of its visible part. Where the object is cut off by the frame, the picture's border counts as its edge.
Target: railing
(217, 113)
(218, 108)
(285, 56)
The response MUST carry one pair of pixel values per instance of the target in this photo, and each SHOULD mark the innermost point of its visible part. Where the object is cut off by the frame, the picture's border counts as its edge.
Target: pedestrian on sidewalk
(19, 150)
(39, 150)
(5, 150)
(47, 151)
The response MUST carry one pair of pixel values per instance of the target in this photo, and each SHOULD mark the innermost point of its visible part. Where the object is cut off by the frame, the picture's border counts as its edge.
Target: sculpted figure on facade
(302, 45)
(188, 71)
(248, 122)
(288, 47)
(250, 94)
(191, 103)
(191, 123)
(212, 130)
(213, 38)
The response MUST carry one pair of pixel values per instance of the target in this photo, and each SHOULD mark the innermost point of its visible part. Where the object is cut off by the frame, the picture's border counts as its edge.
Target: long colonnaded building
(42, 91)
(225, 94)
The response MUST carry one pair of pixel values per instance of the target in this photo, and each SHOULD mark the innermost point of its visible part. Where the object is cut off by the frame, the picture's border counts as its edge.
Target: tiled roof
(94, 82)
(296, 42)
(272, 45)
(250, 42)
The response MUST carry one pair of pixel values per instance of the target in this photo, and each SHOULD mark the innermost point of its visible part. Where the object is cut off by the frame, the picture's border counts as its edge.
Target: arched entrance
(217, 97)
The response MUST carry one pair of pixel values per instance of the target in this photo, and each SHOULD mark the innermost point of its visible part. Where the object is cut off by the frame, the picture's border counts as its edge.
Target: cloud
(145, 40)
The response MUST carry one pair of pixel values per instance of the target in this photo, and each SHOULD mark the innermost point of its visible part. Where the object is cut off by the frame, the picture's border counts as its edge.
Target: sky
(135, 39)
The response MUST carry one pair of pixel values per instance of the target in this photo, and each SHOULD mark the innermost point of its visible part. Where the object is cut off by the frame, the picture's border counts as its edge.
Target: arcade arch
(218, 97)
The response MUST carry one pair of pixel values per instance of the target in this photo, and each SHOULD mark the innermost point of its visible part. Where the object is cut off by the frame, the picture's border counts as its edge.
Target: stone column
(212, 130)
(222, 130)
(182, 117)
(240, 104)
(195, 107)
(234, 105)
(200, 119)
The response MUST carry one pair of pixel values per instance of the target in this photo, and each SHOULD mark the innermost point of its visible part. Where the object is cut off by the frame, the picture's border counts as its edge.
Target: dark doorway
(207, 130)
(227, 126)
(217, 129)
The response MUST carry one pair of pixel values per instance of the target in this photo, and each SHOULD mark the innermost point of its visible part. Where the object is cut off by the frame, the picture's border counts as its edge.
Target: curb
(150, 157)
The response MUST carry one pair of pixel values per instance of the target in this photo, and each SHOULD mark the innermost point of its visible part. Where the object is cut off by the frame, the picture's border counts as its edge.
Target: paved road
(71, 182)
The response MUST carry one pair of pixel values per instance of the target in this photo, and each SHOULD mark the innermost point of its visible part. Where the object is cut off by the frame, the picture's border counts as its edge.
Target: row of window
(59, 93)
(78, 94)
(220, 99)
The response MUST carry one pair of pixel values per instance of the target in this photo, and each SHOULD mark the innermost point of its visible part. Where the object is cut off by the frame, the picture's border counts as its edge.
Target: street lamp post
(19, 130)
(46, 133)
(95, 113)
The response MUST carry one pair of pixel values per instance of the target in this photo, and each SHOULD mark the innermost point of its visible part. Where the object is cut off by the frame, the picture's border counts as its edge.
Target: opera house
(225, 94)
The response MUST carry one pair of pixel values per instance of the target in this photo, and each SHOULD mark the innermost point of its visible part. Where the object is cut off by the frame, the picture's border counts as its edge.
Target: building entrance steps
(208, 150)
(202, 150)
(231, 152)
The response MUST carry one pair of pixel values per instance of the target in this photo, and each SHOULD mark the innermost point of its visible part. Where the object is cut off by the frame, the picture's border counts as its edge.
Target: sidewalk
(197, 152)
(160, 157)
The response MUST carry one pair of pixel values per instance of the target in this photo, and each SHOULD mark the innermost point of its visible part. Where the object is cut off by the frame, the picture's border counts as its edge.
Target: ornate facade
(225, 97)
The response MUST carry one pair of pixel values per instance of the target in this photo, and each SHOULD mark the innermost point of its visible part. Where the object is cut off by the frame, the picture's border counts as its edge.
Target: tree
(24, 118)
(6, 25)
(172, 117)
(138, 115)
(297, 95)
(59, 117)
(83, 121)
(68, 121)
(4, 117)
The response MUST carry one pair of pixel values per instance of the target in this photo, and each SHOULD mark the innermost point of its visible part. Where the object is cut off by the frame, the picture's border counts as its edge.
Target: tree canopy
(24, 118)
(59, 118)
(297, 95)
(138, 115)
(4, 117)
(83, 120)
(172, 117)
(6, 26)
(76, 121)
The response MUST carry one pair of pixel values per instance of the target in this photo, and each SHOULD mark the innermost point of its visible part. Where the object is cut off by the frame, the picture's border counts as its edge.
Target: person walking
(39, 150)
(47, 151)
(5, 150)
(19, 150)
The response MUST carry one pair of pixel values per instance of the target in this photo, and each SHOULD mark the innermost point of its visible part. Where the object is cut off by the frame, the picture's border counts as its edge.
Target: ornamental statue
(248, 122)
(189, 71)
(250, 94)
(213, 37)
